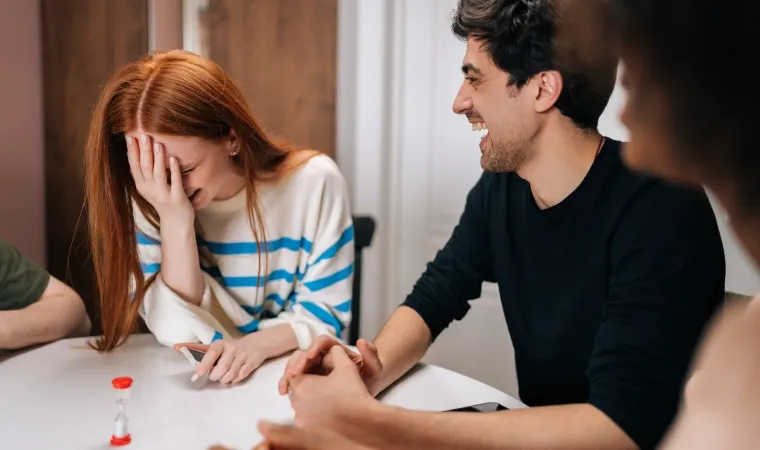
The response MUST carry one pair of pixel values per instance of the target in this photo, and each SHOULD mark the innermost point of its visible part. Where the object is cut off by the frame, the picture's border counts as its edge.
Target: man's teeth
(190, 193)
(480, 127)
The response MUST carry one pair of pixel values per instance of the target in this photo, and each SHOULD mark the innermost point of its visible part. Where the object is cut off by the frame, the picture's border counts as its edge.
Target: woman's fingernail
(144, 138)
(157, 147)
(194, 378)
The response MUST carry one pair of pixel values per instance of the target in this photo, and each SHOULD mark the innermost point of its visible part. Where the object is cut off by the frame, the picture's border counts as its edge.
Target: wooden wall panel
(84, 42)
(282, 53)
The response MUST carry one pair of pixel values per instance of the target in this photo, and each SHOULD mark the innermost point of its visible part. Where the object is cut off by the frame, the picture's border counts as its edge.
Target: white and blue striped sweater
(310, 242)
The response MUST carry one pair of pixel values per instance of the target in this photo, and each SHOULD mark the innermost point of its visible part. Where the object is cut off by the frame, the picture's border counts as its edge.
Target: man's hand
(330, 400)
(288, 437)
(311, 361)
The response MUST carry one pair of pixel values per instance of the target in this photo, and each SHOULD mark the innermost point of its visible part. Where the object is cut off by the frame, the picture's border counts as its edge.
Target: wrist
(177, 222)
(363, 419)
(275, 341)
(370, 422)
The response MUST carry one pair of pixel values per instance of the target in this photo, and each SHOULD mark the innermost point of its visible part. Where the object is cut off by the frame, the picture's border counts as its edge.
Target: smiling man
(607, 278)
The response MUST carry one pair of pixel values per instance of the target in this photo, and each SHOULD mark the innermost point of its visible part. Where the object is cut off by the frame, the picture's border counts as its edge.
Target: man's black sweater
(605, 294)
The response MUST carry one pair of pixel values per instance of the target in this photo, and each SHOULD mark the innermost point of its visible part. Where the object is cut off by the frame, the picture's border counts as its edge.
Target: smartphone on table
(193, 356)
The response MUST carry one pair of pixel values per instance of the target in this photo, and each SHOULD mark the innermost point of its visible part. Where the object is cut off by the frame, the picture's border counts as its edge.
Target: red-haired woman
(220, 238)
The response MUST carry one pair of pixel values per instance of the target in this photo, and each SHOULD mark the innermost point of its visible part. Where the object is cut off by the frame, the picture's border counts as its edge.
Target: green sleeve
(21, 281)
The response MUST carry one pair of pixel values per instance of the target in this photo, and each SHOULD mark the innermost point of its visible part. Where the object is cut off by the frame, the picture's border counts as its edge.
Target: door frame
(385, 50)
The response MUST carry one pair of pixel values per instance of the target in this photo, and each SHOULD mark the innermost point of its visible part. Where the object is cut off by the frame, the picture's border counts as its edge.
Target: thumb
(372, 363)
(337, 358)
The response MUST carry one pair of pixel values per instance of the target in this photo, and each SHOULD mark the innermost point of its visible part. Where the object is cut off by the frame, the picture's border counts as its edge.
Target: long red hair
(174, 93)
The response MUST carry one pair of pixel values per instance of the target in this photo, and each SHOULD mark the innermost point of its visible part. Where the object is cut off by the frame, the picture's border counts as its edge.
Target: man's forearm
(401, 344)
(180, 266)
(570, 427)
(51, 318)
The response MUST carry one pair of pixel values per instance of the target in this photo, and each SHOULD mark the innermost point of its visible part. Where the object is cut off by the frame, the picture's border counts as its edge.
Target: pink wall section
(22, 188)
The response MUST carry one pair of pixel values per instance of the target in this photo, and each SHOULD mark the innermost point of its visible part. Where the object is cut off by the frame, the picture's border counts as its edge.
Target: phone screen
(197, 355)
(194, 356)
(482, 407)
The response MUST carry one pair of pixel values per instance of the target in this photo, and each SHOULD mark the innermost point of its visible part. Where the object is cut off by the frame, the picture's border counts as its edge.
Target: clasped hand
(311, 361)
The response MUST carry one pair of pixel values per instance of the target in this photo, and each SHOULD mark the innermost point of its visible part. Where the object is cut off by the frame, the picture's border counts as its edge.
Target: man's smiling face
(504, 114)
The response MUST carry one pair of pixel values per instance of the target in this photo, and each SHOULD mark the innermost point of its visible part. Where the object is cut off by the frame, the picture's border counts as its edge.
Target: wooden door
(83, 43)
(282, 53)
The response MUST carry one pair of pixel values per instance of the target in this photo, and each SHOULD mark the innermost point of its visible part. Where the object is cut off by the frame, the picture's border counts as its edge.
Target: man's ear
(550, 85)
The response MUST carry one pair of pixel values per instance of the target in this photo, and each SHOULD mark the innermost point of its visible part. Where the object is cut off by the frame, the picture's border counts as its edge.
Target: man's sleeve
(667, 278)
(456, 275)
(21, 281)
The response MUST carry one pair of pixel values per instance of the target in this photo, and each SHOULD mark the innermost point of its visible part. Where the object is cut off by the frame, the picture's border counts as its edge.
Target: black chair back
(364, 230)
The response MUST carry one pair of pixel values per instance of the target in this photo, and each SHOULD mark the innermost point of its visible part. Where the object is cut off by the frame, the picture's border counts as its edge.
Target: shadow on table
(183, 380)
(417, 367)
(8, 354)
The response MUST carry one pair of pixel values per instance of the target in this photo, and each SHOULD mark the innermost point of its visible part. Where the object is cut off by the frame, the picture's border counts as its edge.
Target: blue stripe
(323, 315)
(240, 248)
(144, 239)
(323, 283)
(150, 269)
(279, 300)
(255, 310)
(250, 327)
(344, 307)
(217, 336)
(345, 238)
(247, 248)
(276, 275)
(252, 310)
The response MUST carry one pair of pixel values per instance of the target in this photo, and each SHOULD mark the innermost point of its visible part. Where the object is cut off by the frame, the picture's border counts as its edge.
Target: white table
(60, 397)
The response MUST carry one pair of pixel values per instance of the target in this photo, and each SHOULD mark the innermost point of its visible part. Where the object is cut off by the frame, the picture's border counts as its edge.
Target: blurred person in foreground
(607, 277)
(693, 116)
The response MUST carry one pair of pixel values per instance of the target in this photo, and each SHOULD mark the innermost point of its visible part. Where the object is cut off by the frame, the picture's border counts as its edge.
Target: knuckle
(293, 362)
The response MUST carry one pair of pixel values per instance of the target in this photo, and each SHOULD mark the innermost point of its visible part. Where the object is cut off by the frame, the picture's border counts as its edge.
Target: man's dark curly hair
(518, 35)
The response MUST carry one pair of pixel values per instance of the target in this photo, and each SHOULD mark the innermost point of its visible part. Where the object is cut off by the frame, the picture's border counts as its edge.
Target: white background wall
(410, 161)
